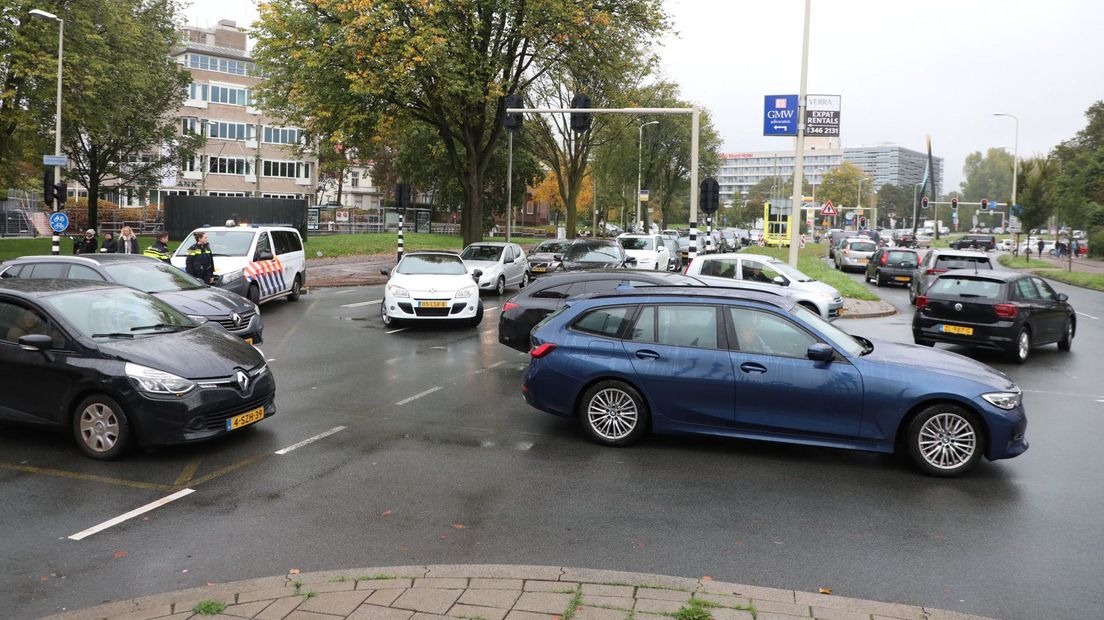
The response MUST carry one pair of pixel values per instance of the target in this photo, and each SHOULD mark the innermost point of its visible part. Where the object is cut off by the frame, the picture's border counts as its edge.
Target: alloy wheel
(612, 413)
(947, 441)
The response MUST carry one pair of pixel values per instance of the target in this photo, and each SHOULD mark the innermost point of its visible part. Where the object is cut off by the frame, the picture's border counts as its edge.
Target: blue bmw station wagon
(740, 364)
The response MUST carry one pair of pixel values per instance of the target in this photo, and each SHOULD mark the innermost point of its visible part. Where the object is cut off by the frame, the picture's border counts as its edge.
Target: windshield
(435, 264)
(838, 338)
(152, 277)
(482, 252)
(106, 314)
(966, 287)
(223, 242)
(636, 243)
(586, 253)
(551, 247)
(788, 271)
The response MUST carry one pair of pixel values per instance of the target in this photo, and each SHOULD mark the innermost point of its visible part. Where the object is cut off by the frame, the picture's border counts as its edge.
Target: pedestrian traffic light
(709, 195)
(580, 121)
(402, 195)
(954, 203)
(984, 204)
(513, 121)
(924, 202)
(61, 194)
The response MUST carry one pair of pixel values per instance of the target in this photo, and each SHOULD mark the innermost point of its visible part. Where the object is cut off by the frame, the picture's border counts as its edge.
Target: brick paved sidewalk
(496, 592)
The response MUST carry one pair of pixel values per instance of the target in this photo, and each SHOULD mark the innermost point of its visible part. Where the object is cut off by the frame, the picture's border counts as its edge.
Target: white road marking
(419, 395)
(395, 331)
(271, 359)
(130, 515)
(494, 365)
(491, 309)
(1100, 400)
(309, 440)
(349, 290)
(362, 303)
(1089, 315)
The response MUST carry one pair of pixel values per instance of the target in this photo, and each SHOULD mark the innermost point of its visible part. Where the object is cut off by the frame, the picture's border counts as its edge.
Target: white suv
(257, 262)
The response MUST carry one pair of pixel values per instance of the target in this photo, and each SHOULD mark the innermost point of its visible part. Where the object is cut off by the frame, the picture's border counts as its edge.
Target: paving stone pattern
(497, 592)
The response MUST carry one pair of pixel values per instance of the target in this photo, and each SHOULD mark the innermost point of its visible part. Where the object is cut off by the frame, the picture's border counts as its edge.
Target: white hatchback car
(649, 251)
(431, 285)
(501, 264)
(257, 262)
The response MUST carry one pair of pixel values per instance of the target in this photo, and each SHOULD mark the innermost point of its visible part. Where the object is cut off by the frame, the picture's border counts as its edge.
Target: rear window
(863, 246)
(898, 257)
(966, 287)
(950, 261)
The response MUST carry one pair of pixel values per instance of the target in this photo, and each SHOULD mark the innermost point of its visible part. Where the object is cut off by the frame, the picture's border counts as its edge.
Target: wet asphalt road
(468, 473)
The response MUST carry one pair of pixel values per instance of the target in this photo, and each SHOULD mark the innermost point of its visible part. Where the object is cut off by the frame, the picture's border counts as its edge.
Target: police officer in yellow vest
(159, 249)
(200, 263)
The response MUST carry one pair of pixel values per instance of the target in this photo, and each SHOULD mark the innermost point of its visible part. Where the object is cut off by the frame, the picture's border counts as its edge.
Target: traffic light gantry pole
(695, 115)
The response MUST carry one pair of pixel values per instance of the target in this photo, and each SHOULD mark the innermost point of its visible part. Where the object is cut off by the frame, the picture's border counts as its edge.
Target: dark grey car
(181, 291)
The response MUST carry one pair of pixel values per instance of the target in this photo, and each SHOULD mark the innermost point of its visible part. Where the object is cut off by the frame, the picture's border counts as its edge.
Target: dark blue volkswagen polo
(739, 364)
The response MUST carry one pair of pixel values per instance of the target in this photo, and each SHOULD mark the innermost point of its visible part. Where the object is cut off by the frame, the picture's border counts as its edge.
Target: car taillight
(687, 270)
(932, 272)
(542, 350)
(1005, 311)
(506, 307)
(884, 257)
(921, 302)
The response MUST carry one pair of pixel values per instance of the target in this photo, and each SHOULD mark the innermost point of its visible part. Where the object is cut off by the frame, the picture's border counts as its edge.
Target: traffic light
(513, 121)
(580, 121)
(402, 195)
(709, 195)
(48, 187)
(954, 204)
(924, 202)
(61, 194)
(984, 204)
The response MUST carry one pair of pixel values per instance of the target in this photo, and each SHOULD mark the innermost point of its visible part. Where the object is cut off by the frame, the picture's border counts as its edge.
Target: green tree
(895, 201)
(988, 176)
(340, 64)
(1037, 192)
(841, 186)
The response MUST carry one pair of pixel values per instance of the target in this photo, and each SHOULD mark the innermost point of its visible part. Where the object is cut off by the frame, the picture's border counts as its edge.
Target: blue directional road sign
(59, 222)
(780, 115)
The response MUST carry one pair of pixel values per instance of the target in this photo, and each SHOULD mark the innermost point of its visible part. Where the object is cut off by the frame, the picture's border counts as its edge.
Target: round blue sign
(59, 222)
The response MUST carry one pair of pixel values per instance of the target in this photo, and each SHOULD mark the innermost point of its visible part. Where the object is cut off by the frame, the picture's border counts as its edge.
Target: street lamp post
(1015, 163)
(639, 151)
(858, 199)
(57, 116)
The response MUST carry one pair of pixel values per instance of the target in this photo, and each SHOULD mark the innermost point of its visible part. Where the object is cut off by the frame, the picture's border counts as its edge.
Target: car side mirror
(1062, 297)
(630, 260)
(820, 352)
(557, 257)
(780, 281)
(476, 274)
(264, 255)
(38, 342)
(385, 272)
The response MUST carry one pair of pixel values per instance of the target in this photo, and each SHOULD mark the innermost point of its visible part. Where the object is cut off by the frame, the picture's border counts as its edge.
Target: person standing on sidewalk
(200, 263)
(128, 242)
(86, 245)
(159, 249)
(1041, 244)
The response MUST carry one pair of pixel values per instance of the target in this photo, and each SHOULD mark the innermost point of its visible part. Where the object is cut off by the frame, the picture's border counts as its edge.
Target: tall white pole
(639, 150)
(799, 156)
(695, 120)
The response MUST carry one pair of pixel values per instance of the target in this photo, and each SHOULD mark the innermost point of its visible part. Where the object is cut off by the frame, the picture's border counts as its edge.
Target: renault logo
(958, 307)
(243, 380)
(432, 290)
(236, 318)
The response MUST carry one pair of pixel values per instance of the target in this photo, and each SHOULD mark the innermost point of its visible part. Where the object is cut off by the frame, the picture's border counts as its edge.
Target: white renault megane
(431, 285)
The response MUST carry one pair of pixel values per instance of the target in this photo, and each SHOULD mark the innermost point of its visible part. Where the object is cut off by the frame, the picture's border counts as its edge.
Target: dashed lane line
(310, 440)
(395, 331)
(362, 303)
(1089, 315)
(130, 515)
(418, 395)
(348, 290)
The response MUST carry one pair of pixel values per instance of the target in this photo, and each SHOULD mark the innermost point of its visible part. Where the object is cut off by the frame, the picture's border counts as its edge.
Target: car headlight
(466, 292)
(1004, 400)
(397, 291)
(231, 276)
(157, 381)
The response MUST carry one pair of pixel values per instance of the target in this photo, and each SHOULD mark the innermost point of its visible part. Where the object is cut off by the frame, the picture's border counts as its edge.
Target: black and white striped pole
(709, 226)
(400, 236)
(402, 197)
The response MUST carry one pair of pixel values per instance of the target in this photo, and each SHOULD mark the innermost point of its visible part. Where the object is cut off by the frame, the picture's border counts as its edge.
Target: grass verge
(1022, 262)
(1094, 281)
(14, 247)
(810, 262)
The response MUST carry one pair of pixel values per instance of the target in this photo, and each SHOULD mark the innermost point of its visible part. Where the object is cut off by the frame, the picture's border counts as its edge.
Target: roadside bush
(1096, 243)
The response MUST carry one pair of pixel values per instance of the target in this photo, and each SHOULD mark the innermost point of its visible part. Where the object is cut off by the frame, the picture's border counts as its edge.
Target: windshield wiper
(113, 335)
(175, 328)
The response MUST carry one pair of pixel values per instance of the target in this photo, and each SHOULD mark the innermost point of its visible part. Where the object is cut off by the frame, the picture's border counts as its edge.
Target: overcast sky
(904, 69)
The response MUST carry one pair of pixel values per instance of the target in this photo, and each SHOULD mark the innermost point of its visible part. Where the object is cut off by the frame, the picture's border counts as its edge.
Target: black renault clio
(118, 367)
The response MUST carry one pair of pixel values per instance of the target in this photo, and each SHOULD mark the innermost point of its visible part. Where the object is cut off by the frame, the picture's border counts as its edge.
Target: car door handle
(646, 354)
(750, 367)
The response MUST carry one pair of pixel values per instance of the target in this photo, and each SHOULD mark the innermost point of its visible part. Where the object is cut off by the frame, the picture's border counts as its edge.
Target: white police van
(259, 262)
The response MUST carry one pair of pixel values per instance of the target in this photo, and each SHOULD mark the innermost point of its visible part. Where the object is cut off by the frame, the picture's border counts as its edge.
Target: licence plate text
(432, 304)
(955, 329)
(538, 269)
(245, 419)
(902, 278)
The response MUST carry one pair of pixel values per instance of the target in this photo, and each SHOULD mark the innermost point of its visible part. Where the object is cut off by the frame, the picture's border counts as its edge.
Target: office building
(892, 164)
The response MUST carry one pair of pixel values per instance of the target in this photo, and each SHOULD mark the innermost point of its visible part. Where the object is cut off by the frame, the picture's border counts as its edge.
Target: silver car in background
(854, 253)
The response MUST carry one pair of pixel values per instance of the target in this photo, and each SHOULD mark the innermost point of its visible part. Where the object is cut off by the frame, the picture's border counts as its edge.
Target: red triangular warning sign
(828, 208)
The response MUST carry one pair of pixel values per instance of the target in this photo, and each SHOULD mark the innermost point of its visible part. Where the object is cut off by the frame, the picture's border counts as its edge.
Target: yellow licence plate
(902, 278)
(955, 329)
(862, 261)
(433, 304)
(248, 341)
(537, 269)
(245, 419)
